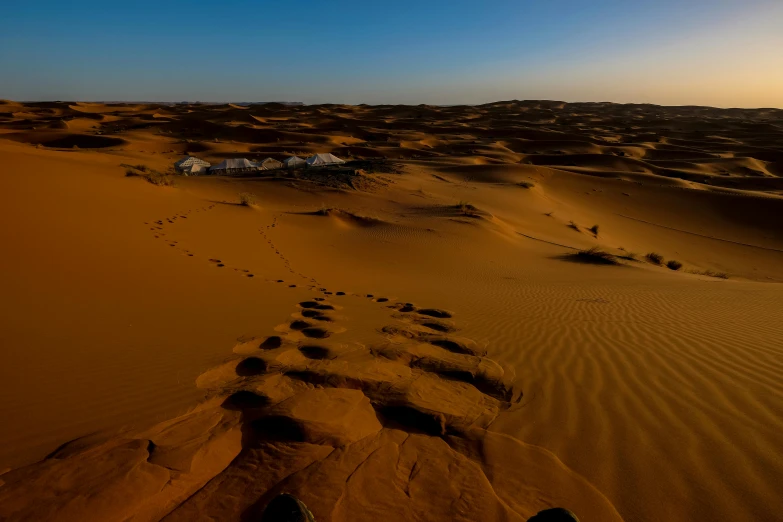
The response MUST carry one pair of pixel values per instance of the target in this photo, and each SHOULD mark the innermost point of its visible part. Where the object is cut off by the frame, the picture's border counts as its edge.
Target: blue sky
(710, 52)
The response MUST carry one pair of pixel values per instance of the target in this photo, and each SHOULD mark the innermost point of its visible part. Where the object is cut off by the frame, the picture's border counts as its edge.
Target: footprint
(434, 312)
(300, 325)
(438, 327)
(452, 346)
(314, 351)
(251, 366)
(275, 341)
(316, 333)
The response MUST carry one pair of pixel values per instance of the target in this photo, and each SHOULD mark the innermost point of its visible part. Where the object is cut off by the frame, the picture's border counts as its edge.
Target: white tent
(322, 160)
(294, 162)
(270, 164)
(233, 165)
(188, 163)
(194, 169)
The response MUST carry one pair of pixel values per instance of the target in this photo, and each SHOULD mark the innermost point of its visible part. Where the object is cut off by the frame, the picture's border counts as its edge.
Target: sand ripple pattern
(630, 385)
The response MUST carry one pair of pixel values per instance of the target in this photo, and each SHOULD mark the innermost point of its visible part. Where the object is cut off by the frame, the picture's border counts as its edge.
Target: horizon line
(300, 103)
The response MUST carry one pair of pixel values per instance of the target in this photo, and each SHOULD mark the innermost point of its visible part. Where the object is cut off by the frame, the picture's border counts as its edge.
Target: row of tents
(193, 165)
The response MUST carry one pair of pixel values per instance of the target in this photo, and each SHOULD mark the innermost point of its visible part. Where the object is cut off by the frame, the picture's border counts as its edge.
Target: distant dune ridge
(487, 311)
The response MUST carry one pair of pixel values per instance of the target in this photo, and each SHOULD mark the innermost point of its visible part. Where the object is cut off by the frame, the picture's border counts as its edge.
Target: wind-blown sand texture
(426, 336)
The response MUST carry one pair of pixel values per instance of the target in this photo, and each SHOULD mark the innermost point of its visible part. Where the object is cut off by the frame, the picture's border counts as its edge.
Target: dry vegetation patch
(466, 209)
(247, 199)
(710, 273)
(673, 265)
(595, 256)
(151, 175)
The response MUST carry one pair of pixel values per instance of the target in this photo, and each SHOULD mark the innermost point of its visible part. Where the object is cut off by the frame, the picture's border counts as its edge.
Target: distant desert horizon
(296, 102)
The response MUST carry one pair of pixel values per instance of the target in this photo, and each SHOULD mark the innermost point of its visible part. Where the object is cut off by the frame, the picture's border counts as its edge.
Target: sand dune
(407, 339)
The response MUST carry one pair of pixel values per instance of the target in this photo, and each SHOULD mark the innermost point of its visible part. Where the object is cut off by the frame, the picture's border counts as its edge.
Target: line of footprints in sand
(158, 227)
(285, 260)
(415, 372)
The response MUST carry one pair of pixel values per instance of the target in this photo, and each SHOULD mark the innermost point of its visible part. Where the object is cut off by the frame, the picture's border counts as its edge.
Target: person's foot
(286, 508)
(554, 515)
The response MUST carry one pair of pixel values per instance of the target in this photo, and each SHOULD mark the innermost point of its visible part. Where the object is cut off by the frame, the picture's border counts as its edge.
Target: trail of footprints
(417, 374)
(285, 260)
(158, 227)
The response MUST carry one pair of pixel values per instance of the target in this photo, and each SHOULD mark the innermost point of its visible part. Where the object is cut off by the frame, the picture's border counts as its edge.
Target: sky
(723, 53)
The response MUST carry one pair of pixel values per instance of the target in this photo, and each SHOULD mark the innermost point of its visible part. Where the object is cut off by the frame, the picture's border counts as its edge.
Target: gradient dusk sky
(725, 53)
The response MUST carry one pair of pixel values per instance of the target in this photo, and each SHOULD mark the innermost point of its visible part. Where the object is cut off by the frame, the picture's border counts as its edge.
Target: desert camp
(191, 165)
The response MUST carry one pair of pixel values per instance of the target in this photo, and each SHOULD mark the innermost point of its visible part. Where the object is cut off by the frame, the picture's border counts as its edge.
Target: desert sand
(421, 336)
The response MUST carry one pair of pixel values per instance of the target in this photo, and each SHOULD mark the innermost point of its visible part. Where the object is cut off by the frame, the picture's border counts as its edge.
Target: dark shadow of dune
(84, 141)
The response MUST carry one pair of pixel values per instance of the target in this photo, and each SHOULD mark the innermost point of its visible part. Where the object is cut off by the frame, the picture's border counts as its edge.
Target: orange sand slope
(416, 336)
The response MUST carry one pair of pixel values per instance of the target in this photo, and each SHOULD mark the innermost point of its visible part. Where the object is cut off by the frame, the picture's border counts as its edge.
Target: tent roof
(234, 163)
(191, 160)
(269, 164)
(294, 160)
(324, 159)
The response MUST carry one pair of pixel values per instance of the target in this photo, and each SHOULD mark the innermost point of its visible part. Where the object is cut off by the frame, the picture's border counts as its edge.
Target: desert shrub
(629, 256)
(466, 208)
(654, 258)
(573, 225)
(151, 175)
(158, 178)
(246, 199)
(673, 265)
(594, 229)
(526, 184)
(710, 273)
(596, 256)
